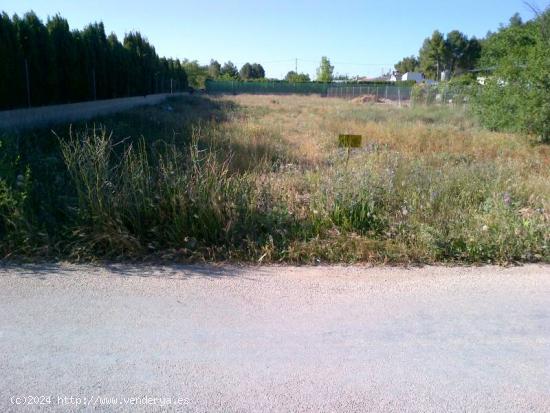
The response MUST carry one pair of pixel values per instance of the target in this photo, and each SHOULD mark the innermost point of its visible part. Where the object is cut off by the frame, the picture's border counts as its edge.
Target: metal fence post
(399, 95)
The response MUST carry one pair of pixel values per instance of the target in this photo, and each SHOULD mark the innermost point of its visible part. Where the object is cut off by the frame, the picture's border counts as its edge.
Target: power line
(349, 63)
(296, 60)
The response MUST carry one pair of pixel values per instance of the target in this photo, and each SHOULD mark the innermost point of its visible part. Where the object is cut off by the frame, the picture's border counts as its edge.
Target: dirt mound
(367, 99)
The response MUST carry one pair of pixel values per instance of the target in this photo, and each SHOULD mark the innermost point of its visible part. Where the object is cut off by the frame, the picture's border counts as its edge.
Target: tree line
(458, 55)
(249, 72)
(454, 53)
(198, 74)
(49, 63)
(506, 73)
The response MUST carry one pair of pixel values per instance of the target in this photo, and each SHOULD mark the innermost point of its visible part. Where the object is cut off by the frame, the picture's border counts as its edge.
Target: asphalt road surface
(321, 339)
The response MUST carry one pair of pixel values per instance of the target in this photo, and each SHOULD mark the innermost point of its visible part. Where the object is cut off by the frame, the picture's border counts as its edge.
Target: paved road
(275, 338)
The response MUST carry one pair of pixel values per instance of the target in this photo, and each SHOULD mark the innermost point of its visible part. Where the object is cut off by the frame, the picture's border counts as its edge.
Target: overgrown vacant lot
(262, 178)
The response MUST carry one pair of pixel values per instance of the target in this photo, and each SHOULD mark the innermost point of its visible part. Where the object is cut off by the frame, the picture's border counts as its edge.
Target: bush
(517, 95)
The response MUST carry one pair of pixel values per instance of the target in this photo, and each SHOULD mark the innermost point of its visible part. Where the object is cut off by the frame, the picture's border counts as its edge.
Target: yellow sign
(349, 141)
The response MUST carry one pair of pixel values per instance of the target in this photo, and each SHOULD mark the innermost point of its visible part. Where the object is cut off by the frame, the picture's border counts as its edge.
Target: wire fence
(377, 92)
(422, 94)
(440, 94)
(264, 88)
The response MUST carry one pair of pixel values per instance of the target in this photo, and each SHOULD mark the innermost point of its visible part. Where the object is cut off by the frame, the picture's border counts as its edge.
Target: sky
(359, 37)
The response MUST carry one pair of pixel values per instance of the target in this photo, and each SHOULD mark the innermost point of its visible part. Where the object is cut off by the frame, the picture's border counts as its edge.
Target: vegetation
(214, 69)
(229, 71)
(516, 94)
(408, 64)
(514, 67)
(294, 77)
(66, 65)
(196, 74)
(260, 178)
(252, 71)
(454, 53)
(325, 71)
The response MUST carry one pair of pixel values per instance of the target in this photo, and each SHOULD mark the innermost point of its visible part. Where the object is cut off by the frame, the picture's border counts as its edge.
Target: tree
(433, 55)
(455, 53)
(246, 71)
(196, 74)
(35, 46)
(513, 40)
(252, 71)
(516, 97)
(229, 71)
(515, 20)
(118, 58)
(407, 64)
(69, 66)
(64, 58)
(12, 66)
(456, 44)
(214, 69)
(143, 64)
(325, 70)
(294, 77)
(472, 54)
(258, 71)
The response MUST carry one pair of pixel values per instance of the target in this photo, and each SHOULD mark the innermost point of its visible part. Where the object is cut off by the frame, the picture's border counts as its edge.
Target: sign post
(348, 142)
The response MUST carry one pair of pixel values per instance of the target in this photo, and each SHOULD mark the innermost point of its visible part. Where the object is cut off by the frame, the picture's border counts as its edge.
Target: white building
(417, 77)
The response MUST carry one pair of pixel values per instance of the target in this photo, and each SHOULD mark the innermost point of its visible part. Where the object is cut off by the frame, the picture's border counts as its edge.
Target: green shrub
(516, 97)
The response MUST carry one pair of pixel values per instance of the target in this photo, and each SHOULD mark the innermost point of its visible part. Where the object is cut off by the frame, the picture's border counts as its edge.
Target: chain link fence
(422, 94)
(265, 88)
(441, 94)
(376, 92)
(408, 95)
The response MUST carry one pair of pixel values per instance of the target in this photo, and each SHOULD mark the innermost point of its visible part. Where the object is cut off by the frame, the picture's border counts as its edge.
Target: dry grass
(484, 180)
(265, 181)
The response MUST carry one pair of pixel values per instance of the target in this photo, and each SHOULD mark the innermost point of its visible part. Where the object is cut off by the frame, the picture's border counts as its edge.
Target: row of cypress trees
(43, 64)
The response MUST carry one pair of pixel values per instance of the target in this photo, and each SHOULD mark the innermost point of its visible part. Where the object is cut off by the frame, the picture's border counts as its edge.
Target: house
(416, 76)
(395, 77)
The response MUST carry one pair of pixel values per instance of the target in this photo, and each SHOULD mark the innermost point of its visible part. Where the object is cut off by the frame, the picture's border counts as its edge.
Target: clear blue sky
(360, 37)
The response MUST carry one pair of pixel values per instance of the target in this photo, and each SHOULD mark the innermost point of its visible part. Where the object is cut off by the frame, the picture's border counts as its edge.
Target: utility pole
(296, 66)
(28, 83)
(171, 85)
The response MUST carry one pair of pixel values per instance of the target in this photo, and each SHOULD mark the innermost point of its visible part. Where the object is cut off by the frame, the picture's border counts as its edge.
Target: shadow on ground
(43, 271)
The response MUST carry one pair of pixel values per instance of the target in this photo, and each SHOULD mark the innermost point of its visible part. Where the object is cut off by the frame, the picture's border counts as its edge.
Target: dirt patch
(372, 99)
(367, 99)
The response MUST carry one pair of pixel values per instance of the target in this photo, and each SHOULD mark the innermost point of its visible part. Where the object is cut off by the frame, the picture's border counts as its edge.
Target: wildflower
(506, 198)
(485, 228)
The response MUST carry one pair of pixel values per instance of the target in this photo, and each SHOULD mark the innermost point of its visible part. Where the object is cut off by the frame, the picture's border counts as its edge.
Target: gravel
(228, 338)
